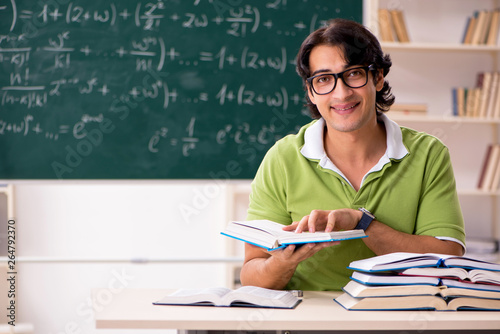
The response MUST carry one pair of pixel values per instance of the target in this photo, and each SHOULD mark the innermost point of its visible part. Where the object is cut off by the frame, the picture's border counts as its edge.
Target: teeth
(341, 109)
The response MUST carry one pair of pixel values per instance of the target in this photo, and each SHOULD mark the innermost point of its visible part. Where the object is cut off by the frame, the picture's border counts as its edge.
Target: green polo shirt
(411, 189)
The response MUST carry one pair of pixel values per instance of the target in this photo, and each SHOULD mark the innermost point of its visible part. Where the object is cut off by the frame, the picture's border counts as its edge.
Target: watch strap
(365, 220)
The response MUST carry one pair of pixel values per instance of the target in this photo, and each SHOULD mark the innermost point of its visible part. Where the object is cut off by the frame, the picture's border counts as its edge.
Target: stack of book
(482, 28)
(489, 177)
(392, 26)
(411, 281)
(480, 101)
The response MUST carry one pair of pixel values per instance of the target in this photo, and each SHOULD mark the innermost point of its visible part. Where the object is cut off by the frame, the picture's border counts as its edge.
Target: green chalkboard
(196, 89)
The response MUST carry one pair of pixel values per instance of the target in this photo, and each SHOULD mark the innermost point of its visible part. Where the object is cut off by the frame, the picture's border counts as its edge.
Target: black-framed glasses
(355, 77)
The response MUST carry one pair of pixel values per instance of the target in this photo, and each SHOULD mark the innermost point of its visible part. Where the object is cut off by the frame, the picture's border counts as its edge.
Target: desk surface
(133, 309)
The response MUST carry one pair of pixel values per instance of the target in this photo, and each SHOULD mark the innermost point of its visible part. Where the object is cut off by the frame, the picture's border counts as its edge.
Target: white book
(413, 302)
(246, 296)
(270, 235)
(359, 290)
(391, 279)
(402, 260)
(473, 275)
(491, 168)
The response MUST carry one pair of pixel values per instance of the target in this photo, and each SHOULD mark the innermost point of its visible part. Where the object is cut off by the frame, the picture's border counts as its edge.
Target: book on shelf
(470, 25)
(270, 235)
(481, 28)
(403, 260)
(385, 25)
(482, 100)
(494, 26)
(246, 296)
(417, 302)
(485, 93)
(489, 176)
(392, 26)
(413, 281)
(484, 166)
(399, 25)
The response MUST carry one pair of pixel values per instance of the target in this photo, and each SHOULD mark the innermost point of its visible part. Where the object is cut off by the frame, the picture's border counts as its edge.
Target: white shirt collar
(313, 146)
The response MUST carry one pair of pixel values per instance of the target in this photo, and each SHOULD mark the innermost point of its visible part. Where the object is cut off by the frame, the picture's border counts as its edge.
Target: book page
(478, 275)
(469, 285)
(356, 289)
(392, 303)
(457, 292)
(437, 272)
(265, 225)
(254, 232)
(262, 292)
(474, 303)
(306, 237)
(261, 297)
(399, 260)
(457, 261)
(270, 235)
(191, 296)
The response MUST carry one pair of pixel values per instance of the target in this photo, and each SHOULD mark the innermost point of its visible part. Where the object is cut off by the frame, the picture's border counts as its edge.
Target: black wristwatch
(365, 220)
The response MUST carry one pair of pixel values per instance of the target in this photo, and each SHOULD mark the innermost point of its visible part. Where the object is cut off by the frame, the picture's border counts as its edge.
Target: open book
(469, 285)
(473, 275)
(270, 235)
(416, 302)
(400, 261)
(246, 296)
(356, 289)
(389, 279)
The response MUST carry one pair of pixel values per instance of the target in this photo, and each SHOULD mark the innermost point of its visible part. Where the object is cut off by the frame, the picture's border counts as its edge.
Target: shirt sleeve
(440, 214)
(268, 196)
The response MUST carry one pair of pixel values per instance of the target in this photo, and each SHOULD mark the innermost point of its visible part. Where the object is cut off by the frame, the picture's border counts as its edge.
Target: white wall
(72, 224)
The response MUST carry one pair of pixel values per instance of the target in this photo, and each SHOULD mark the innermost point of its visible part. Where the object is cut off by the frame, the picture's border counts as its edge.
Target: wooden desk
(133, 309)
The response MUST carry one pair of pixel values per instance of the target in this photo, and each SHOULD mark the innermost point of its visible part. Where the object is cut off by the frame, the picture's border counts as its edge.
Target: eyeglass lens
(353, 78)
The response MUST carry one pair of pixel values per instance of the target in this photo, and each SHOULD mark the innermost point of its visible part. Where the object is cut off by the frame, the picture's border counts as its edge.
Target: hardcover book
(473, 275)
(392, 279)
(246, 296)
(270, 235)
(413, 302)
(358, 290)
(402, 260)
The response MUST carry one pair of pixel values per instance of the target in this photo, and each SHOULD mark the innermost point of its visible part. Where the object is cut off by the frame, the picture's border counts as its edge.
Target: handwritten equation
(172, 77)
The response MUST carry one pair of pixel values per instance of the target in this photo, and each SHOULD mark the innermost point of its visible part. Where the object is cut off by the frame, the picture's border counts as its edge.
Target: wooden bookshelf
(436, 32)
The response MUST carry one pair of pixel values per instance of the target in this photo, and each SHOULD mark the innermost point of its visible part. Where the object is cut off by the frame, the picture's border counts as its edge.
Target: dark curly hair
(360, 47)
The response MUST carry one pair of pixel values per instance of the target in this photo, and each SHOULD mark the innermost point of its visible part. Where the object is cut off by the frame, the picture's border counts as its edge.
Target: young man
(351, 168)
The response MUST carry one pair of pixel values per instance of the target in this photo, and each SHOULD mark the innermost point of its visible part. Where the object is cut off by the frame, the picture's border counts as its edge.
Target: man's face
(344, 109)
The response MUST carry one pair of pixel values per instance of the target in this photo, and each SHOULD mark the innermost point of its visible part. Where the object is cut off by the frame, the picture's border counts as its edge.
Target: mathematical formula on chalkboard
(150, 89)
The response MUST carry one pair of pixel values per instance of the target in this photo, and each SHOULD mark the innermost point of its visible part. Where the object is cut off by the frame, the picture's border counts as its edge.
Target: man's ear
(311, 95)
(379, 80)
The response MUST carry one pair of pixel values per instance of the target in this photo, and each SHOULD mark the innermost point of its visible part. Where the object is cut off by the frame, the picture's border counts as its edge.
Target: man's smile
(345, 107)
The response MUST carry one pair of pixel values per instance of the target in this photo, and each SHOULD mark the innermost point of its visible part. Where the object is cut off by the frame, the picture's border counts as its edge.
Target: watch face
(367, 212)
